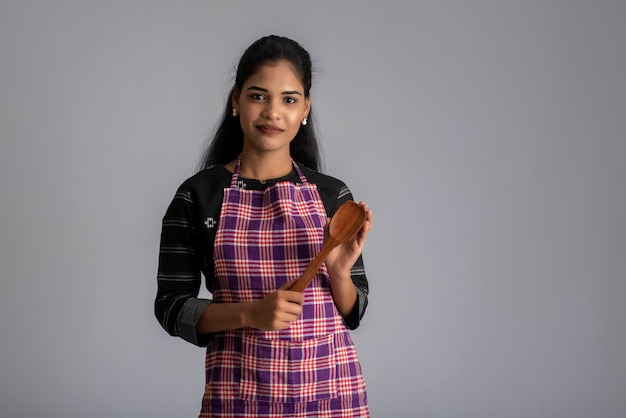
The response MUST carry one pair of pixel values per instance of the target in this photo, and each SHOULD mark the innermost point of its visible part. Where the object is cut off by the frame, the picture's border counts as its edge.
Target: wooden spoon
(343, 226)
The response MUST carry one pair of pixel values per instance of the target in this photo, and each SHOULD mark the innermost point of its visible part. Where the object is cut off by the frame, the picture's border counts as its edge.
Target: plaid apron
(264, 239)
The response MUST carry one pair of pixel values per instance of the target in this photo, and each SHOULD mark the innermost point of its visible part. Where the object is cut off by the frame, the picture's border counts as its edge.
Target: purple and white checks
(265, 239)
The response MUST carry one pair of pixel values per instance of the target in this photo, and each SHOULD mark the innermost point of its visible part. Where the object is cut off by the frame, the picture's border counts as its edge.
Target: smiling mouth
(269, 130)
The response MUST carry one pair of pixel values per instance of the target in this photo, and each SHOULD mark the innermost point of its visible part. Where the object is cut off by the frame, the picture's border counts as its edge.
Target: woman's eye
(257, 96)
(290, 100)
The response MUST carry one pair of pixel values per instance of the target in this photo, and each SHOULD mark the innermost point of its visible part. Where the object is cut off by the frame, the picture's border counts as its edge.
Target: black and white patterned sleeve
(357, 272)
(177, 306)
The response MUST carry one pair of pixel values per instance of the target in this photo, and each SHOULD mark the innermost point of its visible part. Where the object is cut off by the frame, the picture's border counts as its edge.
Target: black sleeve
(357, 273)
(334, 193)
(177, 306)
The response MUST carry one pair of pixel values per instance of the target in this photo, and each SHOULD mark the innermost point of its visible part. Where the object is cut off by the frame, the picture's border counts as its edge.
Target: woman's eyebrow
(257, 89)
(261, 89)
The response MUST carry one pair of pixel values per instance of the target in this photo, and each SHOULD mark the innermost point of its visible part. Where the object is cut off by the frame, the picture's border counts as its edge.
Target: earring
(304, 122)
(235, 113)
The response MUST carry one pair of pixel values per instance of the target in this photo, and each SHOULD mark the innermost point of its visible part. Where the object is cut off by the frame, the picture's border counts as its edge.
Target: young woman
(251, 221)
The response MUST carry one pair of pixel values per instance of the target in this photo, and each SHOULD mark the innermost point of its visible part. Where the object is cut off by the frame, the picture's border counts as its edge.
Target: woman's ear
(307, 106)
(234, 99)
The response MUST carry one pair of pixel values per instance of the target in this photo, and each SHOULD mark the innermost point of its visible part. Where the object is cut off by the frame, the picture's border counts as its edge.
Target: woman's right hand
(277, 310)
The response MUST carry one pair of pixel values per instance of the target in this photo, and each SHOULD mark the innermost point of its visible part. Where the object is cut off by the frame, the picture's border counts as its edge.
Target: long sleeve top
(187, 240)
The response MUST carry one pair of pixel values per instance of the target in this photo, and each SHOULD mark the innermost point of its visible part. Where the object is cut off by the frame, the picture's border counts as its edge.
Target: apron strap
(302, 178)
(235, 177)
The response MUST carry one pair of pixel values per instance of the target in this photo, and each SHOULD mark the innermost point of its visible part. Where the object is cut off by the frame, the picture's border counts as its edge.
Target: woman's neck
(264, 167)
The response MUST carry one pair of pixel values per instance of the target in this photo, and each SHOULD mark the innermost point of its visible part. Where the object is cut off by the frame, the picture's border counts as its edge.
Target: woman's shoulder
(210, 177)
(318, 178)
(206, 184)
(330, 188)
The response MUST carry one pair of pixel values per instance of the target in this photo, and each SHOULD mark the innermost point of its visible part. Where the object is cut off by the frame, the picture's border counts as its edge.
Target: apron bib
(264, 239)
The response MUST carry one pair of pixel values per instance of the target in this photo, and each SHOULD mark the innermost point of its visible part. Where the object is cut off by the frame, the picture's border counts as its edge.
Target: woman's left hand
(342, 258)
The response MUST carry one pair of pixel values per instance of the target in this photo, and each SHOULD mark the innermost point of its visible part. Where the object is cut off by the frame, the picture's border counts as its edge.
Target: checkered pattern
(265, 239)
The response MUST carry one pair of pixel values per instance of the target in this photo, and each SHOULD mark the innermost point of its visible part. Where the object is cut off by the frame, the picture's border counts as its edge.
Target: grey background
(487, 136)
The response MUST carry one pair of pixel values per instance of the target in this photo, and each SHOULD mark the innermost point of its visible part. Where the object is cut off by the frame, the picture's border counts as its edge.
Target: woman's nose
(271, 110)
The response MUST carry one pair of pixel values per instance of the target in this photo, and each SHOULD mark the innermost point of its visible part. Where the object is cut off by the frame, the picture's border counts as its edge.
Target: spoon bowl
(343, 226)
(346, 222)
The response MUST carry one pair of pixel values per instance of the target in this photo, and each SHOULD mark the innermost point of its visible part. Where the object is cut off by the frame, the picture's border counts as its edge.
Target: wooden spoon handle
(303, 281)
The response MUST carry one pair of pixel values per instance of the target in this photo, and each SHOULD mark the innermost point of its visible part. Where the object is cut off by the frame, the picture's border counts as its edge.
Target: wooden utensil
(343, 226)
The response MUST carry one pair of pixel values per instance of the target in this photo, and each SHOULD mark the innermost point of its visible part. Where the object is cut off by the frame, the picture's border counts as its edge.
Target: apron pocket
(288, 371)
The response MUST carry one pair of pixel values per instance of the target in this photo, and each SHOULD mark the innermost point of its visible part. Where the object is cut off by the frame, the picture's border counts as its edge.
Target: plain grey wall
(487, 136)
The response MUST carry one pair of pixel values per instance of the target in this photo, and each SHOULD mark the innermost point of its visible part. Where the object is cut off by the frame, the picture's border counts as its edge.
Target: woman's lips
(269, 129)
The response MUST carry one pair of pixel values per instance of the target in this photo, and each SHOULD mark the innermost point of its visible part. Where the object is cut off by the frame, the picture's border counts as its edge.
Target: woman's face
(271, 106)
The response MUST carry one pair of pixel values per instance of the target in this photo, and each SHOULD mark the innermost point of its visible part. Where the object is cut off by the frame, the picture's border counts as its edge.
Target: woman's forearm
(222, 317)
(275, 311)
(343, 292)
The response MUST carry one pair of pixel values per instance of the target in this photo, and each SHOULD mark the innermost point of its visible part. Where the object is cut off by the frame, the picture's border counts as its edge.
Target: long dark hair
(227, 141)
